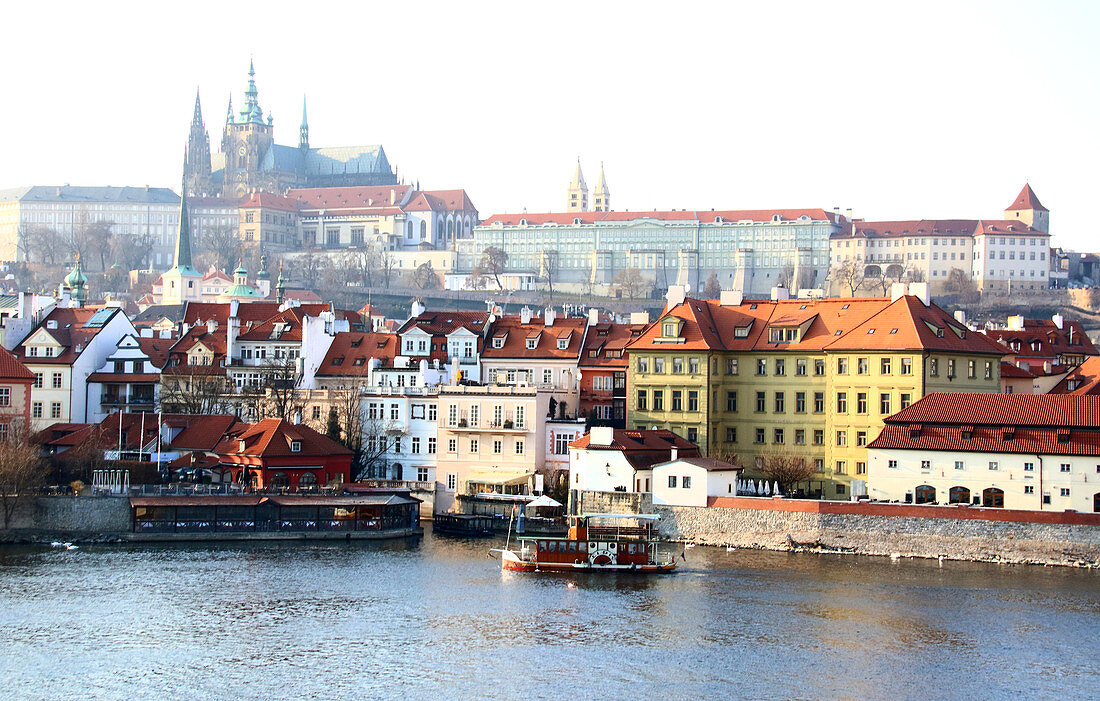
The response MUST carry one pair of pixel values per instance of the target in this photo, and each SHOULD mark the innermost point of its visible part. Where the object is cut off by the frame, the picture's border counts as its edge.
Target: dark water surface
(438, 618)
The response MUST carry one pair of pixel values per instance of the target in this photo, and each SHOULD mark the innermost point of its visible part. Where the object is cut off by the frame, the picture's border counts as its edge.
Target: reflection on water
(438, 618)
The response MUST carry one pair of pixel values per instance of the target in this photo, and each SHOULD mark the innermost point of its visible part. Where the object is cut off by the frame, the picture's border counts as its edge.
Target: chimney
(1058, 320)
(593, 316)
(673, 454)
(960, 316)
(836, 211)
(897, 291)
(146, 333)
(393, 196)
(639, 317)
(848, 213)
(731, 298)
(780, 293)
(1015, 323)
(211, 326)
(525, 315)
(418, 308)
(675, 296)
(548, 317)
(920, 291)
(601, 435)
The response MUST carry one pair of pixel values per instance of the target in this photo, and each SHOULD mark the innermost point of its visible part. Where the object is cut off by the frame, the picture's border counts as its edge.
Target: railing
(119, 400)
(412, 485)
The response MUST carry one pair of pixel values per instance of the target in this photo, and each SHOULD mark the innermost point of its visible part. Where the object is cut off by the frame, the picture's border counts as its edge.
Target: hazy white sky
(895, 110)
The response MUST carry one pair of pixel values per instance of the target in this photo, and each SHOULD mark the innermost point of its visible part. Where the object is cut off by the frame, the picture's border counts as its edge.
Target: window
(395, 412)
(780, 366)
(841, 469)
(474, 445)
(906, 399)
(520, 448)
(452, 481)
(452, 445)
(841, 439)
(687, 482)
(693, 400)
(416, 445)
(731, 401)
(861, 468)
(892, 464)
(761, 401)
(842, 366)
(759, 437)
(421, 474)
(934, 367)
(668, 329)
(862, 366)
(778, 436)
(431, 446)
(819, 367)
(1064, 491)
(861, 403)
(659, 365)
(36, 410)
(861, 438)
(960, 465)
(992, 465)
(800, 402)
(1029, 467)
(1029, 489)
(950, 367)
(884, 404)
(643, 365)
(731, 366)
(761, 366)
(842, 402)
(884, 366)
(37, 380)
(677, 366)
(731, 434)
(800, 436)
(800, 367)
(677, 401)
(693, 366)
(672, 481)
(55, 380)
(55, 410)
(926, 464)
(906, 366)
(5, 397)
(819, 464)
(658, 400)
(971, 371)
(498, 447)
(1064, 467)
(819, 402)
(693, 435)
(819, 436)
(988, 370)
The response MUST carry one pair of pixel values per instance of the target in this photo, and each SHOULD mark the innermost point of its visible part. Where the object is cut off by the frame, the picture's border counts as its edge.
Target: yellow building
(813, 379)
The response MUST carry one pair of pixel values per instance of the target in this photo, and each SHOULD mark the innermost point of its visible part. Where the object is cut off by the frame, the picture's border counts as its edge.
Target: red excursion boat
(595, 543)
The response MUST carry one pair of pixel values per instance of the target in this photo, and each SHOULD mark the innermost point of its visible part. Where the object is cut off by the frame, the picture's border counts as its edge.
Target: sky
(893, 111)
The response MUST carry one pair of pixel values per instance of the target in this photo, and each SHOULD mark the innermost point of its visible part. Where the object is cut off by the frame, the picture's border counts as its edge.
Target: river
(437, 618)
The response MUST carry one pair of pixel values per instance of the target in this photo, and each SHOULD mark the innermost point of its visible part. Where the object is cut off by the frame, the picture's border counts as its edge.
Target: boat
(623, 543)
(463, 525)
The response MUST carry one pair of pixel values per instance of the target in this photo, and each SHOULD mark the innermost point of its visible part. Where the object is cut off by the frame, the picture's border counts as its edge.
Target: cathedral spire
(182, 258)
(601, 196)
(252, 112)
(197, 118)
(196, 157)
(578, 191)
(303, 131)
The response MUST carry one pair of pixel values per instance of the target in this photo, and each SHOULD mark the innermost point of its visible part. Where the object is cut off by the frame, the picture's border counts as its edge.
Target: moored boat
(595, 543)
(463, 525)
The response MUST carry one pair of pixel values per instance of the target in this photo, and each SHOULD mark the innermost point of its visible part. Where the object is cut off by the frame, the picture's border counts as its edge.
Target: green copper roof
(76, 278)
(240, 291)
(182, 257)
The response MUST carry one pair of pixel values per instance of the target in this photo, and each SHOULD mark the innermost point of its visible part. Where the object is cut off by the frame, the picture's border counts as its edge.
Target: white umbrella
(767, 489)
(776, 489)
(543, 501)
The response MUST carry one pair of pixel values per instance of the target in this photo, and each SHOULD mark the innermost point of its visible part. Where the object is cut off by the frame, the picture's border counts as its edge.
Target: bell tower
(577, 200)
(248, 138)
(601, 196)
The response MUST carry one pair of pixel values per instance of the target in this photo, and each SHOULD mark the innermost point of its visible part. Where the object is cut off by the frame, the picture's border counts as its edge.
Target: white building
(690, 481)
(1016, 451)
(619, 460)
(129, 380)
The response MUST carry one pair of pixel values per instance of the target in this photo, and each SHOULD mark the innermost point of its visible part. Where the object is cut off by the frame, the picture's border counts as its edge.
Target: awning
(544, 501)
(498, 477)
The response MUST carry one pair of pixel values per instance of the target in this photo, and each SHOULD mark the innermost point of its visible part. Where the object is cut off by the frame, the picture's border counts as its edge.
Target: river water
(437, 618)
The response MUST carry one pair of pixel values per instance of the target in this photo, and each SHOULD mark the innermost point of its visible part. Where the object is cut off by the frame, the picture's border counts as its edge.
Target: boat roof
(641, 517)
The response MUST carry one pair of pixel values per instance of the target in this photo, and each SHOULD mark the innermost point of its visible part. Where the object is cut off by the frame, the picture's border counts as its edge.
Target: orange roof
(567, 218)
(440, 201)
(1005, 227)
(273, 437)
(1041, 339)
(156, 348)
(11, 369)
(605, 344)
(907, 324)
(643, 447)
(1083, 379)
(908, 227)
(1027, 199)
(269, 200)
(351, 351)
(443, 323)
(516, 334)
(1009, 370)
(349, 197)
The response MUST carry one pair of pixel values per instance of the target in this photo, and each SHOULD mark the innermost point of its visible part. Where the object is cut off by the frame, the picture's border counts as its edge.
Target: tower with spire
(196, 161)
(578, 192)
(1028, 209)
(182, 283)
(601, 196)
(76, 284)
(247, 140)
(303, 131)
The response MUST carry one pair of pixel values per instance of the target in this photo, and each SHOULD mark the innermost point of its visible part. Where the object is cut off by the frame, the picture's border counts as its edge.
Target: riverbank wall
(952, 532)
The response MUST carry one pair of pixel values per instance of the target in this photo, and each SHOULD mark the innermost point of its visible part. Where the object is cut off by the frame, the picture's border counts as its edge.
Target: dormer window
(741, 332)
(533, 343)
(563, 343)
(668, 329)
(295, 446)
(240, 446)
(498, 342)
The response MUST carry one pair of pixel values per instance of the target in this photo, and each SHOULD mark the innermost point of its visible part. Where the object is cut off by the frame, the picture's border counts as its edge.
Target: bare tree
(99, 241)
(387, 264)
(850, 274)
(916, 275)
(786, 469)
(881, 279)
(493, 263)
(630, 281)
(961, 284)
(425, 277)
(201, 391)
(311, 267)
(548, 269)
(278, 396)
(222, 244)
(132, 252)
(712, 289)
(22, 469)
(785, 278)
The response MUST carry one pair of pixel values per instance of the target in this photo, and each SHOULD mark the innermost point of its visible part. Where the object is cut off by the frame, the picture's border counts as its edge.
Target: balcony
(122, 400)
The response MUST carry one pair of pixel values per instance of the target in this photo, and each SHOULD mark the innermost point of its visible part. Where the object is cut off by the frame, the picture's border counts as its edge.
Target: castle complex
(251, 161)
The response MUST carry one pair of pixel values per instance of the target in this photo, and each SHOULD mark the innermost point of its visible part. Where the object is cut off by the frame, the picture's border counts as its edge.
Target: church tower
(303, 131)
(196, 163)
(601, 196)
(182, 283)
(578, 192)
(1028, 209)
(247, 140)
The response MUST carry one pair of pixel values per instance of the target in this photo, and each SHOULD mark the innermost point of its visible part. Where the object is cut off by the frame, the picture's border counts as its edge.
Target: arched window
(279, 480)
(307, 479)
(397, 470)
(925, 494)
(958, 495)
(993, 497)
(450, 229)
(423, 229)
(408, 229)
(1096, 502)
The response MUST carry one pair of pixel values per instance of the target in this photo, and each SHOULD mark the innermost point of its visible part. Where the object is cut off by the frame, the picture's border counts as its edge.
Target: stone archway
(993, 497)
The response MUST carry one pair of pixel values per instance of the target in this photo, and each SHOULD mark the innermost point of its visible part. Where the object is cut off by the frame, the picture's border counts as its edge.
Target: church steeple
(251, 112)
(303, 131)
(280, 285)
(182, 258)
(601, 196)
(76, 283)
(196, 162)
(578, 191)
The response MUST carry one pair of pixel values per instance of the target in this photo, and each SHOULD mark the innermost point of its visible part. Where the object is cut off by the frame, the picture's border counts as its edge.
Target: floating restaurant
(274, 517)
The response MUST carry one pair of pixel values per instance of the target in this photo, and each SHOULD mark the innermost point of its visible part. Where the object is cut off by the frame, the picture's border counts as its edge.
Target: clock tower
(248, 137)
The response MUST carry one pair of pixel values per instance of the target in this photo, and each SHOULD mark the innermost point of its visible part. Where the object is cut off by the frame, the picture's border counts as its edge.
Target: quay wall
(967, 533)
(73, 516)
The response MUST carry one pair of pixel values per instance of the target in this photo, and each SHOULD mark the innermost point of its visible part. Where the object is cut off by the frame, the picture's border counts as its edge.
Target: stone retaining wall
(71, 516)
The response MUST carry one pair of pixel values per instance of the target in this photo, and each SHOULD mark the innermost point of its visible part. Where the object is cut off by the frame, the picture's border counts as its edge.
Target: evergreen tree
(332, 430)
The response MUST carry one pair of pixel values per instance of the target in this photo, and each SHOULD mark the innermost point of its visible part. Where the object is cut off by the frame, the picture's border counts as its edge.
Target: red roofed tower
(1028, 209)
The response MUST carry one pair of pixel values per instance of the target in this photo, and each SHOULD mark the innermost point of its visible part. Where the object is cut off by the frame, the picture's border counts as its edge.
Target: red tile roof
(69, 333)
(269, 200)
(349, 197)
(443, 323)
(515, 334)
(607, 340)
(1005, 227)
(704, 216)
(272, 438)
(1027, 199)
(1012, 371)
(1053, 342)
(1083, 379)
(644, 447)
(907, 227)
(918, 327)
(13, 370)
(440, 201)
(351, 351)
(156, 348)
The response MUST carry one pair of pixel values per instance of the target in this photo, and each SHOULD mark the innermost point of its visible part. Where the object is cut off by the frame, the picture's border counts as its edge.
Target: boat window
(584, 547)
(542, 545)
(633, 548)
(553, 546)
(573, 546)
